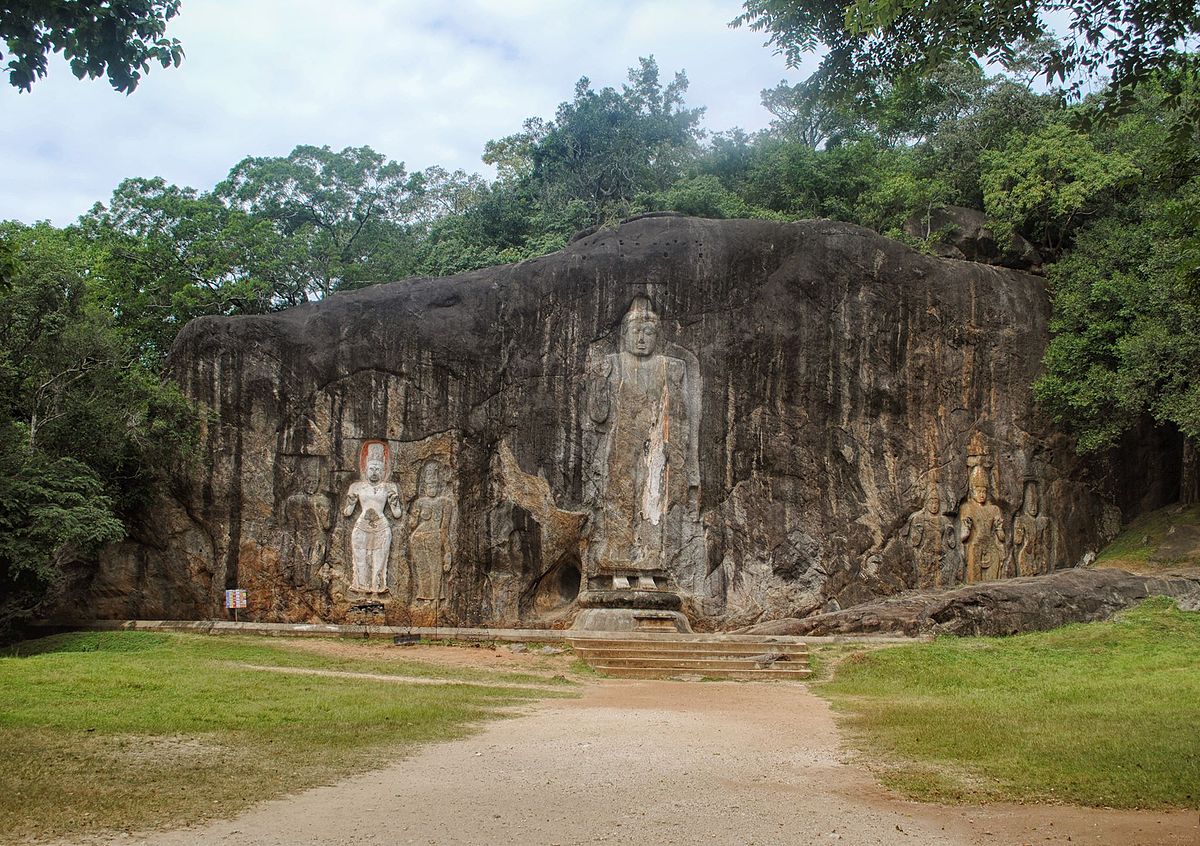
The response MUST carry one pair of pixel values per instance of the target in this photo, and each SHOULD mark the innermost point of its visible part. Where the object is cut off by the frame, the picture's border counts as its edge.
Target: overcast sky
(421, 82)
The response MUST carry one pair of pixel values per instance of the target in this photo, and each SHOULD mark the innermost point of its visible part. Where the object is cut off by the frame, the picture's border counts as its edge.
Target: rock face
(1003, 608)
(744, 419)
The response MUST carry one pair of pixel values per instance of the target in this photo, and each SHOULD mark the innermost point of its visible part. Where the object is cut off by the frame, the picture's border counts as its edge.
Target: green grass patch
(1101, 714)
(134, 730)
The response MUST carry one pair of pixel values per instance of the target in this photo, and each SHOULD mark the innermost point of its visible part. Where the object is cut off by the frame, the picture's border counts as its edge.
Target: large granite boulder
(741, 419)
(962, 233)
(1005, 607)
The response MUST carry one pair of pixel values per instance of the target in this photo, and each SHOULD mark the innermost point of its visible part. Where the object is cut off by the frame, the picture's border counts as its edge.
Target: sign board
(235, 598)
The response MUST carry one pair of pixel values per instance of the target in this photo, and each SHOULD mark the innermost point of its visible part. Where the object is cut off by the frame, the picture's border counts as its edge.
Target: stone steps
(666, 655)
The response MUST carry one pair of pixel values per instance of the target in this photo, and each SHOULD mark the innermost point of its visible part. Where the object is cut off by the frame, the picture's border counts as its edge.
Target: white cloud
(422, 83)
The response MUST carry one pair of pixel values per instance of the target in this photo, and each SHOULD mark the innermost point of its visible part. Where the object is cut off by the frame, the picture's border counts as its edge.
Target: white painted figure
(371, 538)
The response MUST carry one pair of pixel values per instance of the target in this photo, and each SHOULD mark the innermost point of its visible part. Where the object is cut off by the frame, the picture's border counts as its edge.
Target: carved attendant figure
(433, 522)
(982, 531)
(644, 472)
(1031, 532)
(307, 517)
(934, 544)
(371, 538)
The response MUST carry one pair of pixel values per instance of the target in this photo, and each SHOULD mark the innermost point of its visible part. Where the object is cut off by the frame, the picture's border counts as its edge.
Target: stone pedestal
(630, 620)
(624, 600)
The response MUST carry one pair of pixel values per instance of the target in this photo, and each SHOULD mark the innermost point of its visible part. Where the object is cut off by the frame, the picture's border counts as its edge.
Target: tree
(119, 39)
(1126, 321)
(874, 41)
(605, 147)
(1046, 183)
(85, 425)
(343, 215)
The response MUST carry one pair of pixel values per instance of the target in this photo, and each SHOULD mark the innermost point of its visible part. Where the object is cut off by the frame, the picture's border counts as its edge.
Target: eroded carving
(307, 519)
(371, 538)
(1031, 534)
(981, 529)
(433, 523)
(934, 544)
(643, 478)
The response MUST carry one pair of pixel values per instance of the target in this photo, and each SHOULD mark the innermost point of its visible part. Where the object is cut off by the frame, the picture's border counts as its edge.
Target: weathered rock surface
(755, 417)
(962, 233)
(1008, 607)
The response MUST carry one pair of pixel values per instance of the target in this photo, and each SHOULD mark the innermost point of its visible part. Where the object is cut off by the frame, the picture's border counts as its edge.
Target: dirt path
(654, 763)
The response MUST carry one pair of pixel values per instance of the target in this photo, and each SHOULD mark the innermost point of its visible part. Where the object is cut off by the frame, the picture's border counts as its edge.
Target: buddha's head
(639, 328)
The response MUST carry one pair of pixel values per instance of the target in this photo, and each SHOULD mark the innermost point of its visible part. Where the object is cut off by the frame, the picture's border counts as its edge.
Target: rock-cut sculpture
(433, 520)
(982, 531)
(1031, 534)
(643, 477)
(371, 538)
(308, 516)
(933, 541)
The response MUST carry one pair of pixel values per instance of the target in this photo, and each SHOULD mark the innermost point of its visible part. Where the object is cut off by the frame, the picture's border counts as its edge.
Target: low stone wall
(1007, 607)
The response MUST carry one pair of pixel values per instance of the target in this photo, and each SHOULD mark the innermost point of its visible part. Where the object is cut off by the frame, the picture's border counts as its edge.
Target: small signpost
(235, 599)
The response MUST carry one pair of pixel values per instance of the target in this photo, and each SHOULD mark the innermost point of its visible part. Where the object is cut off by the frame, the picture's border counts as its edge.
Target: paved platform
(217, 627)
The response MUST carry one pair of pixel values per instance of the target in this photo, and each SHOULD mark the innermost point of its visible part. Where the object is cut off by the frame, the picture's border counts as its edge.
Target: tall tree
(85, 424)
(343, 213)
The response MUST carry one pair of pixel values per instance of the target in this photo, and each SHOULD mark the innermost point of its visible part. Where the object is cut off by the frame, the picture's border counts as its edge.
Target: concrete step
(658, 655)
(741, 663)
(770, 674)
(681, 651)
(680, 637)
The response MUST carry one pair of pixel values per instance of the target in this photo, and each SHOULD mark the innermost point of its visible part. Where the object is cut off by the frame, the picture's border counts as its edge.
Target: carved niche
(641, 432)
(371, 538)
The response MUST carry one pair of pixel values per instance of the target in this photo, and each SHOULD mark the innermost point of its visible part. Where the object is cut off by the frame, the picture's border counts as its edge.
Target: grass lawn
(130, 730)
(1104, 714)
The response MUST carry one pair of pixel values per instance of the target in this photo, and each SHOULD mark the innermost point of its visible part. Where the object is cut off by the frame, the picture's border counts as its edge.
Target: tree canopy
(119, 39)
(875, 42)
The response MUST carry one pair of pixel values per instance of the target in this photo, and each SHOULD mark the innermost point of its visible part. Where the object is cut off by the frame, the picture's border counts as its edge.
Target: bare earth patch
(656, 763)
(469, 656)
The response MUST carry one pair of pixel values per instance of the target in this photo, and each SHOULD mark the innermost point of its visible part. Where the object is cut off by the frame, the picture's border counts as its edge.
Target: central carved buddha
(643, 477)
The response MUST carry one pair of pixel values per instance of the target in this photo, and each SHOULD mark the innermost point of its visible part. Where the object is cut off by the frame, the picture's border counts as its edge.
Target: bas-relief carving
(934, 544)
(528, 536)
(307, 519)
(1032, 534)
(981, 529)
(642, 478)
(371, 537)
(432, 525)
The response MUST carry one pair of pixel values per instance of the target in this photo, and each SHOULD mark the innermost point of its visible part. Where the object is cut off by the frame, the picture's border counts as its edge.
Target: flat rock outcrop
(742, 419)
(1007, 607)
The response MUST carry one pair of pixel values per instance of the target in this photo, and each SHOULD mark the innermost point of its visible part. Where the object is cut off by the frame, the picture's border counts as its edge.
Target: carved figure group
(429, 526)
